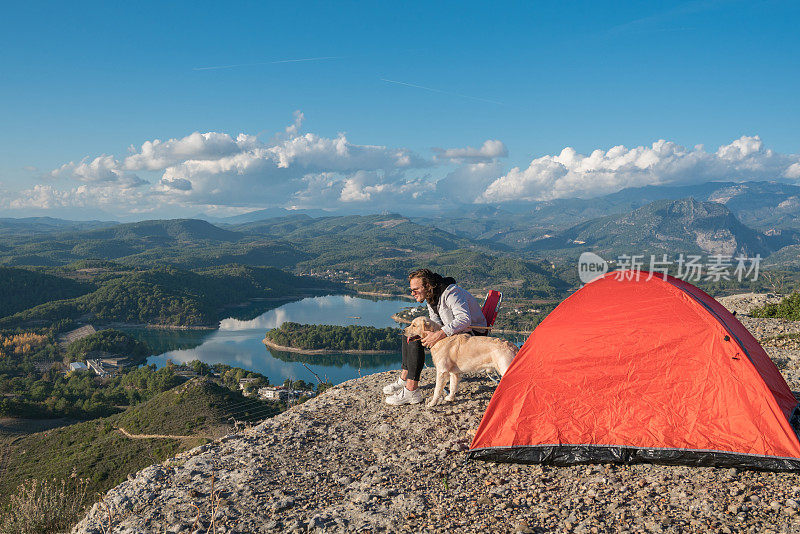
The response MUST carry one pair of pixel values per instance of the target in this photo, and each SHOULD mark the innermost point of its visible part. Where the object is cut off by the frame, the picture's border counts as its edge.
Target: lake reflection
(238, 342)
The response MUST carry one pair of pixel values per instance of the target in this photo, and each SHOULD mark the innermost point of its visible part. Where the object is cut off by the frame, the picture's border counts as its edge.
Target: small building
(243, 382)
(117, 361)
(273, 393)
(98, 368)
(282, 394)
(78, 366)
(185, 373)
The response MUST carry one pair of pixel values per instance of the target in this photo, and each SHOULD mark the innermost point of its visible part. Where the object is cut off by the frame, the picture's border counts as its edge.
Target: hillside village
(105, 365)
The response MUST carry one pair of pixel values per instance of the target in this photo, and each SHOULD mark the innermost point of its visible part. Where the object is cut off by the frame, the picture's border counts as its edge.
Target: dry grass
(43, 506)
(206, 519)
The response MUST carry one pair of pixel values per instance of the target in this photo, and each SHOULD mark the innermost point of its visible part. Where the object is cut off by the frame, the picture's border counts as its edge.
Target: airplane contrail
(441, 91)
(268, 63)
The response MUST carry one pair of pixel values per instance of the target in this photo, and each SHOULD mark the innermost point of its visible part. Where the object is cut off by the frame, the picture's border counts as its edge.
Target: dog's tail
(510, 346)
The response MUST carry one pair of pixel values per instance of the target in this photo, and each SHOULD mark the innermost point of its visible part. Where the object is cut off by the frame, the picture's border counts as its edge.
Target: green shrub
(788, 308)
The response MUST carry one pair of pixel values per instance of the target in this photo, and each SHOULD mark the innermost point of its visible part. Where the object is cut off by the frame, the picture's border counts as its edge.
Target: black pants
(413, 358)
(414, 355)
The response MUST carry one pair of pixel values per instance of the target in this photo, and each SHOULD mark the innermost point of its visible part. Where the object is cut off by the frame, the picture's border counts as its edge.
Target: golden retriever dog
(461, 353)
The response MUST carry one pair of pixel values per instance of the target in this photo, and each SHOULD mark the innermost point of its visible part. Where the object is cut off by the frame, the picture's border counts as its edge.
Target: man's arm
(430, 339)
(457, 302)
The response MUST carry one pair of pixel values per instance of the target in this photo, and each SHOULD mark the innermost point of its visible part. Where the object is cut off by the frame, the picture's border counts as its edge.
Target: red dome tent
(638, 368)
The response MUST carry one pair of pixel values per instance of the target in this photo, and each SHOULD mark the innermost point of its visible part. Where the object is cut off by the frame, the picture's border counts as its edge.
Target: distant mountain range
(160, 232)
(764, 206)
(188, 243)
(760, 205)
(260, 215)
(385, 234)
(670, 226)
(715, 217)
(38, 225)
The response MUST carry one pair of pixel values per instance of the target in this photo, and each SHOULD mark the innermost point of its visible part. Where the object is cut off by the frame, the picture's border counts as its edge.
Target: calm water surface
(237, 342)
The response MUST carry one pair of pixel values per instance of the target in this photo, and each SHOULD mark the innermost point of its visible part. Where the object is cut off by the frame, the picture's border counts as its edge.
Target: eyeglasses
(415, 291)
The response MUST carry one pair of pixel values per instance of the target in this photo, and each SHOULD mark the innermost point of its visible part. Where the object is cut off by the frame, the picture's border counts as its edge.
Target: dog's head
(420, 327)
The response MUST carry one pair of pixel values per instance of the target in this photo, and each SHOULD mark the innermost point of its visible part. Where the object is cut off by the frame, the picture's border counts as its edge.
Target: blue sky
(85, 80)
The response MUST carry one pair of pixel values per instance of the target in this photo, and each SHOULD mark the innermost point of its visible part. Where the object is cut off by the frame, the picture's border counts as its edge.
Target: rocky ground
(346, 461)
(744, 302)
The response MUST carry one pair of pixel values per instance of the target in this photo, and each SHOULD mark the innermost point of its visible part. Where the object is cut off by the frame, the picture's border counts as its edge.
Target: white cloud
(572, 174)
(388, 191)
(317, 153)
(317, 191)
(359, 187)
(792, 171)
(491, 149)
(158, 155)
(468, 182)
(83, 196)
(40, 196)
(363, 189)
(102, 169)
(294, 128)
(218, 171)
(743, 148)
(274, 173)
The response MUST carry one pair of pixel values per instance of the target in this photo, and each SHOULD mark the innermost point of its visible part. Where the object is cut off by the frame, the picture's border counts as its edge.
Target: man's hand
(431, 339)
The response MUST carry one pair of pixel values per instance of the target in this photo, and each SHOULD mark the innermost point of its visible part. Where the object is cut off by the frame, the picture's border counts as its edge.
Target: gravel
(347, 462)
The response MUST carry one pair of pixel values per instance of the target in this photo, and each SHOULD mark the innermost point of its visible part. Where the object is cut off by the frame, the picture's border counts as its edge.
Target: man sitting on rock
(449, 305)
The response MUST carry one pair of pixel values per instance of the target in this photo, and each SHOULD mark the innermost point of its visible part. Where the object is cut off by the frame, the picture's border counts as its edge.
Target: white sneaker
(394, 387)
(405, 396)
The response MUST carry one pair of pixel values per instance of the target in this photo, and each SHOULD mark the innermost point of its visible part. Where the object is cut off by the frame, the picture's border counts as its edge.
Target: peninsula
(330, 339)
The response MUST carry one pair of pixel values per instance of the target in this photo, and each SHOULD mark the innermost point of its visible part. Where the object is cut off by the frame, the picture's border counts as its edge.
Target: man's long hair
(434, 284)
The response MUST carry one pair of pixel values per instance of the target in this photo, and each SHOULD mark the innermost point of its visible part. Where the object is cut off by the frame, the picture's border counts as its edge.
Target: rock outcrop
(346, 461)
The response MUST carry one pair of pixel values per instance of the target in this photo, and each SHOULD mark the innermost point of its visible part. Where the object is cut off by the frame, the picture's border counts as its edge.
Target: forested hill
(101, 452)
(22, 289)
(165, 295)
(374, 253)
(185, 243)
(159, 231)
(378, 251)
(337, 238)
(43, 225)
(370, 253)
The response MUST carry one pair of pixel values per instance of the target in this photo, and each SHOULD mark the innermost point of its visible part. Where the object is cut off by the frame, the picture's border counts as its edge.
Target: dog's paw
(432, 403)
(449, 398)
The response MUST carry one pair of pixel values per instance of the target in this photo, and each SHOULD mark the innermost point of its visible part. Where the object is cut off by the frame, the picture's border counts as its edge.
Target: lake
(237, 342)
